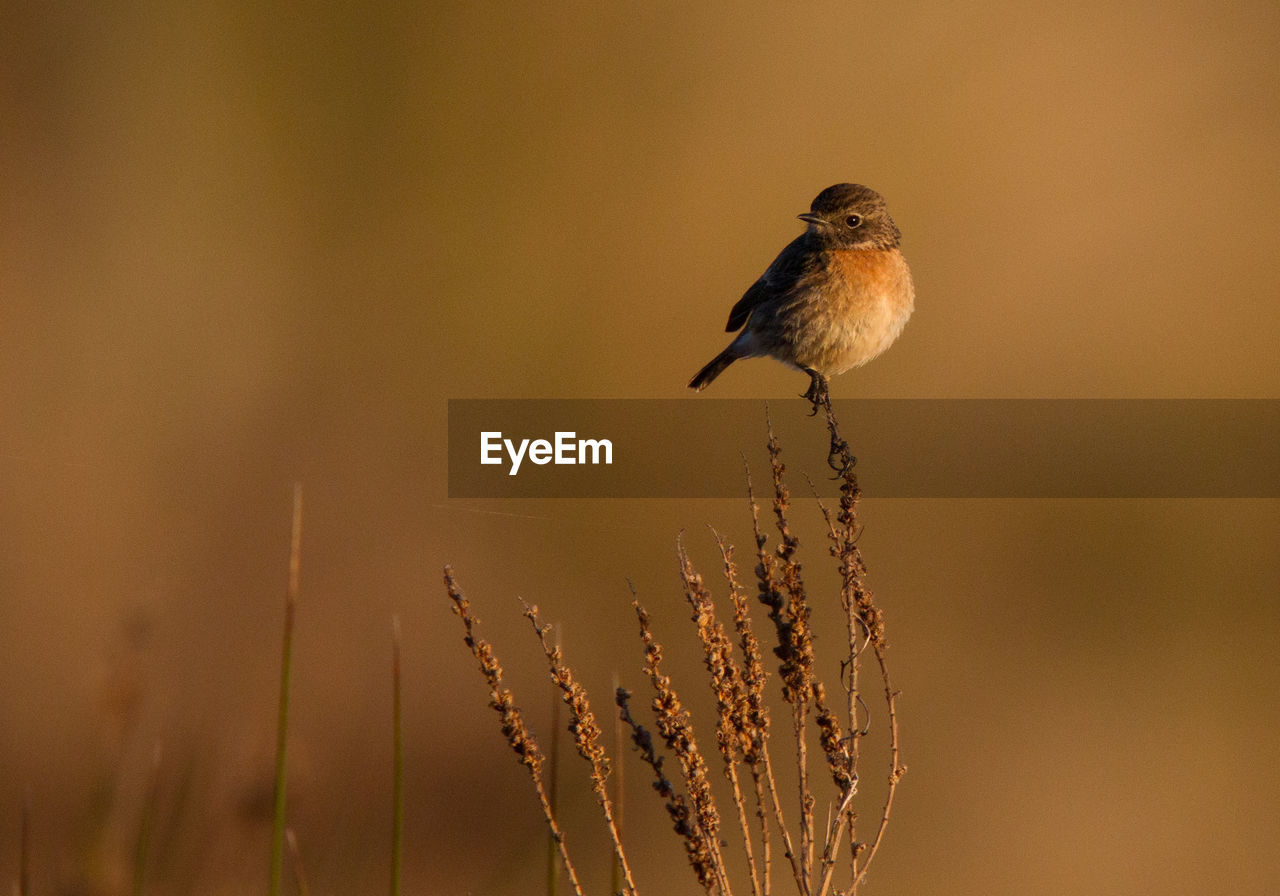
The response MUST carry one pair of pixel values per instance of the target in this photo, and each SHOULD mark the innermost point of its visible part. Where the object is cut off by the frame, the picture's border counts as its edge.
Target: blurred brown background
(243, 245)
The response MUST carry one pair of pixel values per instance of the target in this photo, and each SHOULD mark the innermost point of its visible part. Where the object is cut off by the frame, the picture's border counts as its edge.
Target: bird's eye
(854, 220)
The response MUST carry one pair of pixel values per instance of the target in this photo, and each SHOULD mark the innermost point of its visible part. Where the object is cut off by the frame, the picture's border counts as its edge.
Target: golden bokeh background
(245, 244)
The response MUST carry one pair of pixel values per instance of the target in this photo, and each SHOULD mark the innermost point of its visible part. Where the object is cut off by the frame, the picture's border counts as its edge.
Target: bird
(837, 296)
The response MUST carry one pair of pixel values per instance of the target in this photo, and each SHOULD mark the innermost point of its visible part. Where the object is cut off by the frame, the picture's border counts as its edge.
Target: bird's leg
(818, 394)
(839, 458)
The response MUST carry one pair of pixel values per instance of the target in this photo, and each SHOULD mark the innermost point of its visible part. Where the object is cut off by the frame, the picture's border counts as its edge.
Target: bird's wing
(774, 283)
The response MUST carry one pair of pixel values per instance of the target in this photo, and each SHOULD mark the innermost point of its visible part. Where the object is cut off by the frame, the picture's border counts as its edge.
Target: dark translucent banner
(913, 448)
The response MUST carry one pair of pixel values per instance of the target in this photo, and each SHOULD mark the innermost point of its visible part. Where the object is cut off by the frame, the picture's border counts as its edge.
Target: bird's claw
(818, 394)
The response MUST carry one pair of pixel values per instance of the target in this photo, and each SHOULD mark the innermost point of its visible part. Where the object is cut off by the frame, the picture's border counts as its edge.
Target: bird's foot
(840, 458)
(818, 394)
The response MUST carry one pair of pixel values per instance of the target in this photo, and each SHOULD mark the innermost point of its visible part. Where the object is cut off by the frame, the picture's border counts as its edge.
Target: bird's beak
(811, 218)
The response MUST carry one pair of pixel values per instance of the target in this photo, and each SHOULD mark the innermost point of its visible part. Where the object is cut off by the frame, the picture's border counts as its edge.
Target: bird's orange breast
(874, 272)
(853, 310)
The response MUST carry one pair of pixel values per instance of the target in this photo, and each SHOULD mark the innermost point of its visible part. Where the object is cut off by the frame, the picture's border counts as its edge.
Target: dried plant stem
(799, 714)
(514, 729)
(755, 713)
(737, 675)
(896, 769)
(282, 725)
(861, 614)
(771, 596)
(782, 591)
(779, 818)
(295, 857)
(586, 736)
(762, 818)
(24, 847)
(677, 806)
(843, 753)
(142, 847)
(856, 731)
(619, 792)
(835, 834)
(702, 840)
(553, 789)
(734, 735)
(731, 772)
(397, 762)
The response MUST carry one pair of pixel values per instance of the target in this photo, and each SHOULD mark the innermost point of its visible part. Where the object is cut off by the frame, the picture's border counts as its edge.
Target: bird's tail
(713, 369)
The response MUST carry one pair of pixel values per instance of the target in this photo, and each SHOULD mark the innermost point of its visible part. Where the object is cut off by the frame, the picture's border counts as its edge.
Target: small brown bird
(836, 297)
